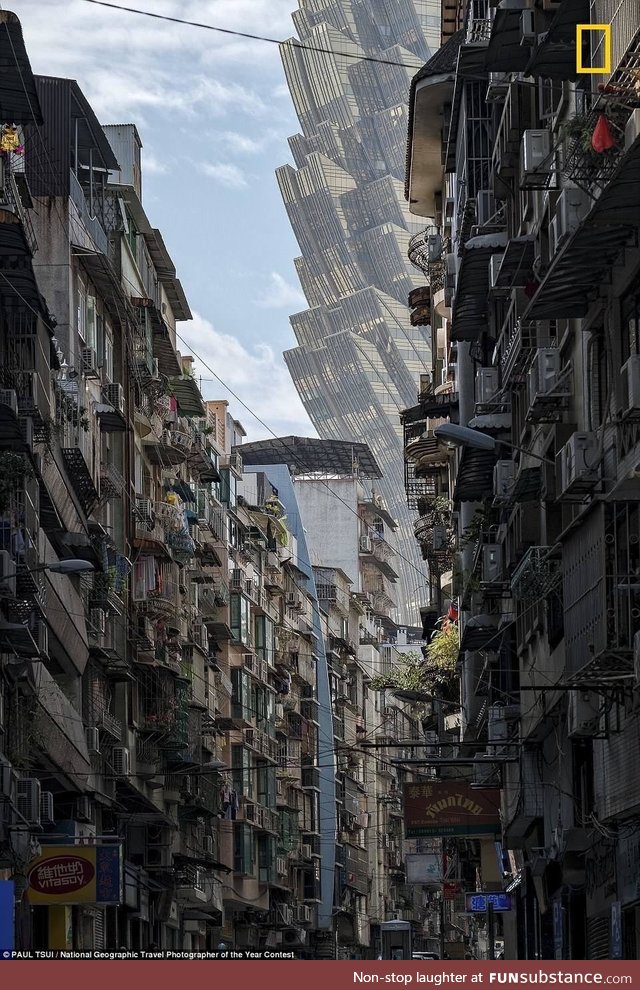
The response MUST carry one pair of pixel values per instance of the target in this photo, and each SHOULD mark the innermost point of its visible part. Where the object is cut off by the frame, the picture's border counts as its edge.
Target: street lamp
(463, 436)
(64, 567)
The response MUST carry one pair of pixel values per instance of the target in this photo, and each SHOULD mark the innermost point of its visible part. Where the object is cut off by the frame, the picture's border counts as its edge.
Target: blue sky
(214, 115)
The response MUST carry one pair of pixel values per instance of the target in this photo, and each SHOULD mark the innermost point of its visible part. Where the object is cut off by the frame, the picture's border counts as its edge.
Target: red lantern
(602, 138)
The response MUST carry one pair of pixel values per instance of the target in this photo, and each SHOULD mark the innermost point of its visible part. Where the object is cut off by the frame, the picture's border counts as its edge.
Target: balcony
(172, 447)
(261, 743)
(91, 223)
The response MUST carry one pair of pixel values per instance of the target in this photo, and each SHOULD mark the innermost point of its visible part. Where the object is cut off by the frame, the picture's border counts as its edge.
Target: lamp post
(72, 566)
(463, 436)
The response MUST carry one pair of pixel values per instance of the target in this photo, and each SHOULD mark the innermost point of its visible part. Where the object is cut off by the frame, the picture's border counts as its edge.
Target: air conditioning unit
(543, 373)
(497, 87)
(28, 795)
(83, 809)
(528, 27)
(291, 599)
(434, 247)
(497, 730)
(46, 808)
(535, 158)
(583, 716)
(440, 539)
(487, 384)
(491, 563)
(7, 574)
(114, 395)
(578, 464)
(572, 207)
(484, 773)
(631, 384)
(365, 544)
(451, 269)
(208, 845)
(121, 761)
(503, 480)
(89, 360)
(305, 850)
(92, 735)
(9, 398)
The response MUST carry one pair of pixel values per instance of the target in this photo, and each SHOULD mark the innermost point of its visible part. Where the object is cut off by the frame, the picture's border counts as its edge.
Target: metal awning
(579, 268)
(17, 279)
(111, 419)
(515, 267)
(479, 632)
(19, 103)
(470, 306)
(474, 479)
(431, 407)
(187, 395)
(504, 52)
(555, 55)
(106, 282)
(307, 455)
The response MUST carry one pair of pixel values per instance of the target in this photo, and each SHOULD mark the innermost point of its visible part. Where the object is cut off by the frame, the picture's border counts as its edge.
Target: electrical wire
(292, 43)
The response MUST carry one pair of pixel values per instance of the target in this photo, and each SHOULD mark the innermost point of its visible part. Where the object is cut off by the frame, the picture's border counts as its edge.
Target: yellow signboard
(76, 875)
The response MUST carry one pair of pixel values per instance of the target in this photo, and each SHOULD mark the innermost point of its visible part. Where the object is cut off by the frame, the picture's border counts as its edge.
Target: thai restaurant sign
(450, 807)
(76, 875)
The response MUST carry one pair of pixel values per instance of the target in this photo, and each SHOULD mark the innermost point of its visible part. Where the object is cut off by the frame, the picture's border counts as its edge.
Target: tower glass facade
(358, 360)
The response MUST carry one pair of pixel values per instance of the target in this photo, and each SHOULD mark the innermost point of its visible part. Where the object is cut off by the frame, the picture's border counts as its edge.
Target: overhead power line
(291, 42)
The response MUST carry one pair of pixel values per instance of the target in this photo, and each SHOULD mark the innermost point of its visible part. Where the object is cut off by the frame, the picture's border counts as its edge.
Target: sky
(214, 114)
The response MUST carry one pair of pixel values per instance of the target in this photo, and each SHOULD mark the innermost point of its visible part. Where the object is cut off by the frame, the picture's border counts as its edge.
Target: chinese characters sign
(84, 875)
(480, 902)
(450, 808)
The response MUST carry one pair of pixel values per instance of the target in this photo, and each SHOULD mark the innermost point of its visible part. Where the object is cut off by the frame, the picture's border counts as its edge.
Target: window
(108, 353)
(90, 336)
(81, 307)
(240, 618)
(242, 771)
(243, 856)
(241, 706)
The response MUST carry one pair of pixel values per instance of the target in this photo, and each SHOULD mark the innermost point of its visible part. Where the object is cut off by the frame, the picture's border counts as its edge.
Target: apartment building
(524, 169)
(158, 712)
(344, 533)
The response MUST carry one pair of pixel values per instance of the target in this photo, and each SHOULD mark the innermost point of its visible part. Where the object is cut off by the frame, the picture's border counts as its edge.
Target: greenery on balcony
(431, 673)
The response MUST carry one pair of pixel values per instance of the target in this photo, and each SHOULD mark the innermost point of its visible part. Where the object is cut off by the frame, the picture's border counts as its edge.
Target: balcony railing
(537, 574)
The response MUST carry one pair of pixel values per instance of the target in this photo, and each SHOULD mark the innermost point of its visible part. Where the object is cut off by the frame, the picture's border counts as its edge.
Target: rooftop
(307, 455)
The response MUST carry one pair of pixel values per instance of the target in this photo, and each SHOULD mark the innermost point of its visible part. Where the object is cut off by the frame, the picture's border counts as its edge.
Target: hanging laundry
(602, 138)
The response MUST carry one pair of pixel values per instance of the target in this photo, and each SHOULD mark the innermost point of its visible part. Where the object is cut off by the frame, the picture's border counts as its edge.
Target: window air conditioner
(434, 247)
(631, 385)
(487, 384)
(503, 479)
(527, 27)
(578, 464)
(544, 372)
(28, 800)
(92, 735)
(491, 563)
(7, 574)
(89, 361)
(583, 716)
(365, 544)
(46, 808)
(572, 207)
(535, 158)
(114, 395)
(121, 761)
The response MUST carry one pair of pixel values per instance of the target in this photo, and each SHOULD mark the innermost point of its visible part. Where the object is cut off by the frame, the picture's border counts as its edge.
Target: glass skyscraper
(358, 360)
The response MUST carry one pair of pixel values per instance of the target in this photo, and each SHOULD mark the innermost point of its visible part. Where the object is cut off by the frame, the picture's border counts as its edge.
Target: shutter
(598, 937)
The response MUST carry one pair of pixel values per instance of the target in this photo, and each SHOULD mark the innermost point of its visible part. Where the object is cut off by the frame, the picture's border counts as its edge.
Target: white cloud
(225, 173)
(242, 143)
(152, 165)
(280, 294)
(257, 376)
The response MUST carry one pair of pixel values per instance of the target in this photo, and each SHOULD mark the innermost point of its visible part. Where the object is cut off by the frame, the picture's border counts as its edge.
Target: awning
(470, 306)
(111, 420)
(106, 282)
(187, 394)
(479, 631)
(17, 280)
(579, 268)
(555, 56)
(475, 475)
(184, 490)
(431, 407)
(57, 729)
(20, 103)
(515, 267)
(505, 53)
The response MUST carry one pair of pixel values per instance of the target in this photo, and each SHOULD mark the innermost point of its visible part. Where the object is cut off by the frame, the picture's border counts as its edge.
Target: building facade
(357, 360)
(531, 271)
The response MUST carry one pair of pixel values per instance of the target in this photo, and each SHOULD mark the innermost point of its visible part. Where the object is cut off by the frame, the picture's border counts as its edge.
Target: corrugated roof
(19, 103)
(308, 455)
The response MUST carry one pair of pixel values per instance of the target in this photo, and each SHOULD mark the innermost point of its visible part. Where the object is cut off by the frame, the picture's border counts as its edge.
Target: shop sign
(82, 875)
(450, 808)
(480, 902)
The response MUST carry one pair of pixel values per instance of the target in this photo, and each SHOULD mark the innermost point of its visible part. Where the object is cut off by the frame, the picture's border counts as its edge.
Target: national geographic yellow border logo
(605, 68)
